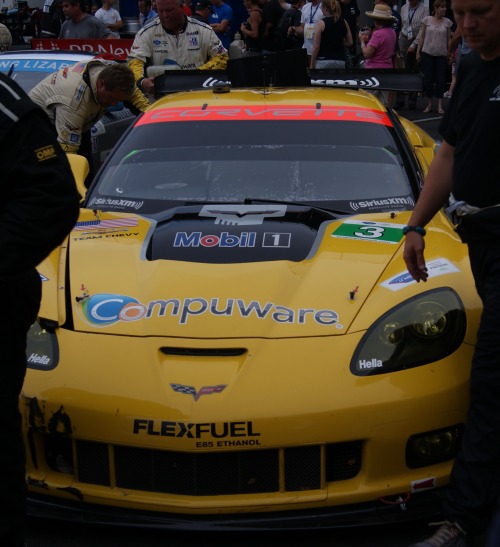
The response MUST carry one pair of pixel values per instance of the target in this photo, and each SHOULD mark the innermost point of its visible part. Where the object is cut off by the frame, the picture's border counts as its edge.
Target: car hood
(285, 273)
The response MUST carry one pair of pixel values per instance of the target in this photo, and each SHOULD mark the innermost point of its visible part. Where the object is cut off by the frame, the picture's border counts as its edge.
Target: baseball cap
(203, 4)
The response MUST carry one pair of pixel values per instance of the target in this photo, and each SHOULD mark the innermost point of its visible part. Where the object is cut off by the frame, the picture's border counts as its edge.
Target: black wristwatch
(417, 229)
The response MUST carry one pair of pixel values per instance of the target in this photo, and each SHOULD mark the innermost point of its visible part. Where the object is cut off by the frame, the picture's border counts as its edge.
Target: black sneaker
(448, 535)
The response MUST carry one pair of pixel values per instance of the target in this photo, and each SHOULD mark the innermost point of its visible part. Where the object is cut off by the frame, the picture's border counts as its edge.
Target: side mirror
(80, 167)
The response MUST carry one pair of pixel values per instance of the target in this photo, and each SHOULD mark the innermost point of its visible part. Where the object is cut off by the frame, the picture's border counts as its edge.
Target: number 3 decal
(372, 232)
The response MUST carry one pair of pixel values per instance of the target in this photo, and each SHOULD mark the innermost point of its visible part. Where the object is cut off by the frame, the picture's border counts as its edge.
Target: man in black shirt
(467, 166)
(38, 207)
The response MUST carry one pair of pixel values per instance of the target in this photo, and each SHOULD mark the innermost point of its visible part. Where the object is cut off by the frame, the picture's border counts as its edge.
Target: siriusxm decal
(102, 310)
(387, 202)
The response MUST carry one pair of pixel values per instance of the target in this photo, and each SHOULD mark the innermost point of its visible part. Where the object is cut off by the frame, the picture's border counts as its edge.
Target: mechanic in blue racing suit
(38, 207)
(174, 41)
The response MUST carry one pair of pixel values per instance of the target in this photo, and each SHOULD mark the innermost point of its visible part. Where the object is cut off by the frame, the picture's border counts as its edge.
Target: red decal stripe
(254, 112)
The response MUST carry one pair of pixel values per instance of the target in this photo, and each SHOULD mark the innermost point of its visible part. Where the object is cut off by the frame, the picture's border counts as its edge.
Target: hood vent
(203, 352)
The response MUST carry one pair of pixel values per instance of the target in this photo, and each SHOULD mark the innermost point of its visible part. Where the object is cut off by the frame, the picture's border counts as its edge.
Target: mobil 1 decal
(379, 232)
(206, 241)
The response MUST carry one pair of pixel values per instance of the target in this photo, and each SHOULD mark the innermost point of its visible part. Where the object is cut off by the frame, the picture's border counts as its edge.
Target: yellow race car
(229, 337)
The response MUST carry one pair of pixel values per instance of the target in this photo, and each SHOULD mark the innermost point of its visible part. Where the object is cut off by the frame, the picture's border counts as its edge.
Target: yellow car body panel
(167, 366)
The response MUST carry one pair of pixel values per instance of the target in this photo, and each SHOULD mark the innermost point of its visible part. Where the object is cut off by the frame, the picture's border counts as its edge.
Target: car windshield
(325, 164)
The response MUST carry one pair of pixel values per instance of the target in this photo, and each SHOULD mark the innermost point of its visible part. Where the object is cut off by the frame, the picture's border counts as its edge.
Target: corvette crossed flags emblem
(191, 390)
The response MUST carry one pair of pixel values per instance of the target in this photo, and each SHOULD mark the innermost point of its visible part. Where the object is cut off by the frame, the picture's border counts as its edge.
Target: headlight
(424, 329)
(42, 351)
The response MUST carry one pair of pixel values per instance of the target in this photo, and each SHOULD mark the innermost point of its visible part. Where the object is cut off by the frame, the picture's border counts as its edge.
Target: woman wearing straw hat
(378, 48)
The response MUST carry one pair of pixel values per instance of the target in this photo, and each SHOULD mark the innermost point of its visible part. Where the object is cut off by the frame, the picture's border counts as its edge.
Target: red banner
(112, 49)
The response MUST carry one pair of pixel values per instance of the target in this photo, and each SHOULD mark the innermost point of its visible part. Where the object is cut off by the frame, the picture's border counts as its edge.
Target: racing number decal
(370, 232)
(381, 232)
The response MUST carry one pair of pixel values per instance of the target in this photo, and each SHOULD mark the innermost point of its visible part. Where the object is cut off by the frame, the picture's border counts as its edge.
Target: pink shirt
(384, 42)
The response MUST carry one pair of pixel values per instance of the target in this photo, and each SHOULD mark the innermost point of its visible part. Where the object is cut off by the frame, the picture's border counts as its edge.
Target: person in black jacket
(52, 18)
(38, 207)
(466, 165)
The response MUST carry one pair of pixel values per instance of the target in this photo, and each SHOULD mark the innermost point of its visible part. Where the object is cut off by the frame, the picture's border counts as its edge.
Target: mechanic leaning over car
(76, 97)
(38, 207)
(467, 165)
(174, 41)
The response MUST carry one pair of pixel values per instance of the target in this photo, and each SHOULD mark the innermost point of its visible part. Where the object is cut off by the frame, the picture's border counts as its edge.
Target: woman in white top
(432, 51)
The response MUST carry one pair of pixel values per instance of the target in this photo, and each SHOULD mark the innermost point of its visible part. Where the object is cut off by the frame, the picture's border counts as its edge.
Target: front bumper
(424, 505)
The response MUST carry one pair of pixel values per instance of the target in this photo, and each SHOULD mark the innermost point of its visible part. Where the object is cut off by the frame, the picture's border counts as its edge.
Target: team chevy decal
(381, 232)
(254, 112)
(102, 310)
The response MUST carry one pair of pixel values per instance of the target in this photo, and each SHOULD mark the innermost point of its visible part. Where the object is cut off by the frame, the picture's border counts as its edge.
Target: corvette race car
(229, 337)
(28, 68)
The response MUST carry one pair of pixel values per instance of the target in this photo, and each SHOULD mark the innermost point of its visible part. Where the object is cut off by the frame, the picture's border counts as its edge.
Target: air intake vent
(204, 352)
(291, 469)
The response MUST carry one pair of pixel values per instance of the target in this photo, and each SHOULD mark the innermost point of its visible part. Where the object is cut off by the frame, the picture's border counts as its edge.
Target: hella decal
(106, 309)
(193, 430)
(191, 390)
(364, 364)
(36, 359)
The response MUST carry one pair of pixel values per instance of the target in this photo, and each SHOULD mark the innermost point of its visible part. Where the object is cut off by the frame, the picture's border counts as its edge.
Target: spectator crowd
(411, 36)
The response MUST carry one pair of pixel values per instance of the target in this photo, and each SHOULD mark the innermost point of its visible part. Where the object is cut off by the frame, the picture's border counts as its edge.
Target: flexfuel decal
(225, 434)
(439, 266)
(102, 310)
(380, 232)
